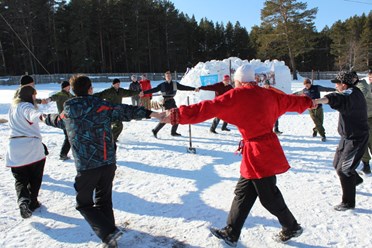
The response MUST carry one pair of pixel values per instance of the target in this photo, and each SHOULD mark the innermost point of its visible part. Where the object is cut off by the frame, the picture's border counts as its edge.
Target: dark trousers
(94, 198)
(215, 124)
(317, 116)
(366, 156)
(246, 193)
(136, 101)
(168, 104)
(117, 128)
(65, 146)
(346, 160)
(28, 181)
(276, 126)
(161, 125)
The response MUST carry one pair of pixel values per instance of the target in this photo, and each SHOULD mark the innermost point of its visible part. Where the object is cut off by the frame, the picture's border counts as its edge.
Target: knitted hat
(115, 81)
(343, 77)
(26, 79)
(267, 82)
(245, 74)
(64, 84)
(226, 77)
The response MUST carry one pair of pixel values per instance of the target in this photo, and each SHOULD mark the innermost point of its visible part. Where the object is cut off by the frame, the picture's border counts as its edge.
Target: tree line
(110, 36)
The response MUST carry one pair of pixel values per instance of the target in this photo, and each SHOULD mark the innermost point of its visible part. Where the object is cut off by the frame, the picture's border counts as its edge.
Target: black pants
(346, 160)
(161, 125)
(65, 146)
(168, 104)
(94, 198)
(276, 126)
(246, 193)
(215, 124)
(117, 128)
(28, 181)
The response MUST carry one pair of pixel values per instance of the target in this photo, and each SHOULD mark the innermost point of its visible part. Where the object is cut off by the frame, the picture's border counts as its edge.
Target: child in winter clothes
(25, 153)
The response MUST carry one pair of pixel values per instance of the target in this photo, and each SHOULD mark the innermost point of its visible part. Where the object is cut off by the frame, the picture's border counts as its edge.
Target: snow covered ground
(170, 198)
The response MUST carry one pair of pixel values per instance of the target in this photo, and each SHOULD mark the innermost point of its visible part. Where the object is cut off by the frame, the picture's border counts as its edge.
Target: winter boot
(154, 133)
(214, 125)
(344, 206)
(224, 127)
(25, 210)
(284, 235)
(111, 241)
(63, 157)
(34, 205)
(323, 139)
(277, 132)
(212, 130)
(226, 235)
(315, 133)
(366, 168)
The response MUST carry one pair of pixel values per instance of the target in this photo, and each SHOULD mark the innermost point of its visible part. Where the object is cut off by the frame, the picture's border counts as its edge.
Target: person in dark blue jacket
(168, 89)
(354, 132)
(87, 120)
(317, 114)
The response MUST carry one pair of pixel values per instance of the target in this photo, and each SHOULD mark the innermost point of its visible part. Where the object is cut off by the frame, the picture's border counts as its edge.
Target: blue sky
(248, 12)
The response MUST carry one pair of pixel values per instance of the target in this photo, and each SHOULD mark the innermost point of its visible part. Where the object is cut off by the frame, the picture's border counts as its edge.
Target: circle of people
(94, 151)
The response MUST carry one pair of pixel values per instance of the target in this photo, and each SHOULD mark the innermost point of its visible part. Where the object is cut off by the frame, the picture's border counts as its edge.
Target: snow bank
(275, 71)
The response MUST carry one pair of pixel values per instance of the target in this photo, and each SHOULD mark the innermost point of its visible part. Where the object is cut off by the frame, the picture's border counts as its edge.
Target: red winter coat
(145, 85)
(254, 111)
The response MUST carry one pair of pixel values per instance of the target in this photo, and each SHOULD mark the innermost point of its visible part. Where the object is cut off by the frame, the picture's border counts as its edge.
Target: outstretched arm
(323, 100)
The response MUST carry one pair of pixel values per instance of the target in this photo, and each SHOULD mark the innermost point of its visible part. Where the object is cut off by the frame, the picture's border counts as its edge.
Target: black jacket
(351, 104)
(314, 92)
(169, 89)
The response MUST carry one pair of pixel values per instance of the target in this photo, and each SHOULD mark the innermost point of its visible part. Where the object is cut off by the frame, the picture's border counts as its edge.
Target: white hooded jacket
(25, 144)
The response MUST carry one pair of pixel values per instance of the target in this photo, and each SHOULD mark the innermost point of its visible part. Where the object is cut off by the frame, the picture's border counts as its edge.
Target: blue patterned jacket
(87, 120)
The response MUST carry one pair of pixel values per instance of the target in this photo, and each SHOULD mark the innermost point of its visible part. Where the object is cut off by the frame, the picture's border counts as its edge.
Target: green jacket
(365, 88)
(115, 96)
(60, 99)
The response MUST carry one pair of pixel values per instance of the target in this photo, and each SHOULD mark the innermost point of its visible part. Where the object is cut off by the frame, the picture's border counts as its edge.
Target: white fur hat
(245, 74)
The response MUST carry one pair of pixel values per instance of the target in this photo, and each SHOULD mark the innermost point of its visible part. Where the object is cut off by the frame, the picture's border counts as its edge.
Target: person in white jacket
(26, 152)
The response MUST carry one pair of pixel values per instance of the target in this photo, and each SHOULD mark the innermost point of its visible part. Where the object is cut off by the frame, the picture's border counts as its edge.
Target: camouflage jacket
(60, 98)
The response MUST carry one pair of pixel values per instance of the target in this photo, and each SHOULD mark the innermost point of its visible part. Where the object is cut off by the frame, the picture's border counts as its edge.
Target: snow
(170, 197)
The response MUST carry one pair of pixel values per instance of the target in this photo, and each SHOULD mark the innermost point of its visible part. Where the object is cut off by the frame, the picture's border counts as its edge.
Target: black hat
(26, 79)
(64, 84)
(343, 77)
(115, 81)
(267, 82)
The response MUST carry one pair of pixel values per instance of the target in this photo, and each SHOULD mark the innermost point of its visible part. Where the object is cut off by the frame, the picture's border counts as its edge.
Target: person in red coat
(246, 106)
(219, 89)
(145, 100)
